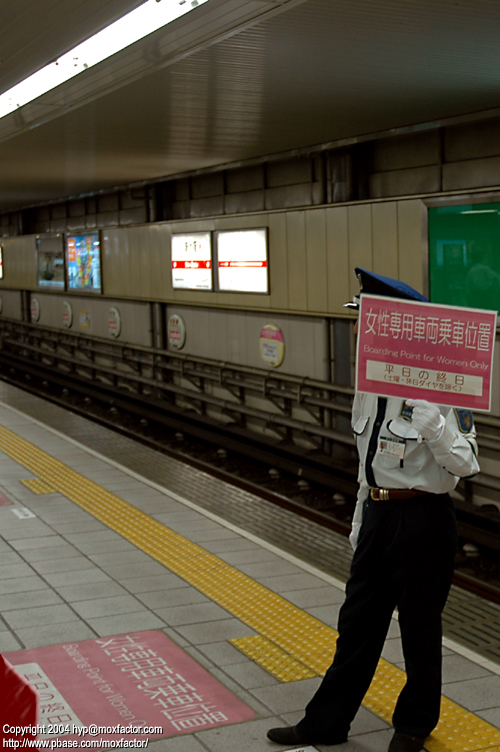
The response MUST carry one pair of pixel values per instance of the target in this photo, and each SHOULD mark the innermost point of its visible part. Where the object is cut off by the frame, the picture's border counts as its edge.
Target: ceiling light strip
(147, 18)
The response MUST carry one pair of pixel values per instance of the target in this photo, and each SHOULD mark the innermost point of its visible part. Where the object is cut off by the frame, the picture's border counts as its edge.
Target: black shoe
(406, 743)
(292, 735)
(287, 735)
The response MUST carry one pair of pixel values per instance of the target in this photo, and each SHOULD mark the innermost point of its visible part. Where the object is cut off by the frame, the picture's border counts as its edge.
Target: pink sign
(272, 332)
(416, 350)
(19, 705)
(135, 686)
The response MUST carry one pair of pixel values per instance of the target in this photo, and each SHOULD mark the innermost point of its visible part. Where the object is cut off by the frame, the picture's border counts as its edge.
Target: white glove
(426, 419)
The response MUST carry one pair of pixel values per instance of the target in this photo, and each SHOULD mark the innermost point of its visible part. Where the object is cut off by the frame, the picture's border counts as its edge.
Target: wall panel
(217, 334)
(234, 223)
(410, 243)
(155, 268)
(317, 290)
(239, 349)
(165, 268)
(238, 203)
(297, 265)
(360, 241)
(195, 297)
(278, 261)
(115, 271)
(472, 141)
(338, 271)
(140, 261)
(474, 173)
(19, 263)
(90, 316)
(196, 330)
(401, 152)
(385, 238)
(243, 300)
(405, 182)
(312, 255)
(233, 336)
(11, 304)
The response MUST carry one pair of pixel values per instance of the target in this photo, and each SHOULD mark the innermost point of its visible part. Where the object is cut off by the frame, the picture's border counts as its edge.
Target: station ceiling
(231, 81)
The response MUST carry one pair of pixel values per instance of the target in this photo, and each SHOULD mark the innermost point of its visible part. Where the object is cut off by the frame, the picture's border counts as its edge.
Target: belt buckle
(380, 494)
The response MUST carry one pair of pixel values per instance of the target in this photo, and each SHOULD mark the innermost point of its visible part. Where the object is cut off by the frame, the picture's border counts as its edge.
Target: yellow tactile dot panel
(276, 661)
(303, 637)
(38, 486)
(456, 731)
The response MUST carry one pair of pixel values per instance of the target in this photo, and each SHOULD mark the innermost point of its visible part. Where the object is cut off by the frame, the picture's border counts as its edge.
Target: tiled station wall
(312, 254)
(233, 337)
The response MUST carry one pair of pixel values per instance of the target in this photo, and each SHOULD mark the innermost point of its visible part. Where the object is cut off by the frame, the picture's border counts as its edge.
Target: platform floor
(111, 572)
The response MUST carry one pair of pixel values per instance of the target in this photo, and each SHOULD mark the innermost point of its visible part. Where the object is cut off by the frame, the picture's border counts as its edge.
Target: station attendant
(404, 533)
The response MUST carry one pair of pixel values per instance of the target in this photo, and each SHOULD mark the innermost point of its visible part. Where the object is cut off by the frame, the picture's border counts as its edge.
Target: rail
(301, 407)
(307, 412)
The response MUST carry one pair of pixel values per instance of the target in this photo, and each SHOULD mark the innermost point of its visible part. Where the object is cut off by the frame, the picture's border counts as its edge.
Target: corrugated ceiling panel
(219, 87)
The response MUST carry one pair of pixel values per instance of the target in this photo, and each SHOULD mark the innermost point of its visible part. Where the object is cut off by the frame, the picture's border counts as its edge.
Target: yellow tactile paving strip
(304, 638)
(273, 659)
(38, 486)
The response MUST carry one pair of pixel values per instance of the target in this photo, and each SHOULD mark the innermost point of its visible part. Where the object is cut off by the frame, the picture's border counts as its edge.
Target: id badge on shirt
(392, 447)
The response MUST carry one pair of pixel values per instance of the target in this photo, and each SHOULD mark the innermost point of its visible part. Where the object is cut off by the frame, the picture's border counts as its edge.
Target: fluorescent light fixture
(480, 211)
(148, 17)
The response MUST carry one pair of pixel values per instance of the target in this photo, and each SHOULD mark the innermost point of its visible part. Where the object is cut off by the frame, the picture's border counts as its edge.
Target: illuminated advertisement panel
(192, 261)
(83, 258)
(242, 261)
(50, 262)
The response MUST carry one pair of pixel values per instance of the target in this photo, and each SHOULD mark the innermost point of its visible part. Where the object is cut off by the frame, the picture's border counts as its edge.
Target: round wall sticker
(114, 322)
(35, 310)
(272, 345)
(176, 332)
(67, 314)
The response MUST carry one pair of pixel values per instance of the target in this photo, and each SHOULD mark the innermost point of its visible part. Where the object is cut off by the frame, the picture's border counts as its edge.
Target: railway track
(281, 474)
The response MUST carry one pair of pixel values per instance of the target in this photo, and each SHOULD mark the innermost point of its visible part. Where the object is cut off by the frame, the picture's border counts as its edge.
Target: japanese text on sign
(180, 702)
(421, 350)
(440, 331)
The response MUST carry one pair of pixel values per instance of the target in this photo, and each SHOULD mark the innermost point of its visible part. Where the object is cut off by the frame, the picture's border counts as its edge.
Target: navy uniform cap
(377, 284)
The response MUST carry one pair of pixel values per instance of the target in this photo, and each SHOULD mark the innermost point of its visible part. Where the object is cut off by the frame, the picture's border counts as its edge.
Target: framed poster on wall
(50, 262)
(242, 260)
(83, 260)
(191, 256)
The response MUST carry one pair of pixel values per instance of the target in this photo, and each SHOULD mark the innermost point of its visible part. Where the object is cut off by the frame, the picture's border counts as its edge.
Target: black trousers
(404, 558)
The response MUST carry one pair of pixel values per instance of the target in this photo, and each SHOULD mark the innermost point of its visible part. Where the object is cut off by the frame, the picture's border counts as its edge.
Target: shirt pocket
(386, 459)
(402, 429)
(390, 461)
(361, 424)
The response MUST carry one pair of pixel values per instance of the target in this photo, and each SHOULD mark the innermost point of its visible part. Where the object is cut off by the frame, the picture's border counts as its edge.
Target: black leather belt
(393, 494)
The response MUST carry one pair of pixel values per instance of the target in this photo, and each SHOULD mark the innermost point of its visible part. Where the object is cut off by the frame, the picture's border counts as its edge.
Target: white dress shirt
(402, 459)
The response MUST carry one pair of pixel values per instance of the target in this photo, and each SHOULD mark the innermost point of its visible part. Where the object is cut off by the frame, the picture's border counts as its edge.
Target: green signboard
(464, 255)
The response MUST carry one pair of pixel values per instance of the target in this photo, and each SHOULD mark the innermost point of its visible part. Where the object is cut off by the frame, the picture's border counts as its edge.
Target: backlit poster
(242, 261)
(83, 257)
(50, 261)
(192, 261)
